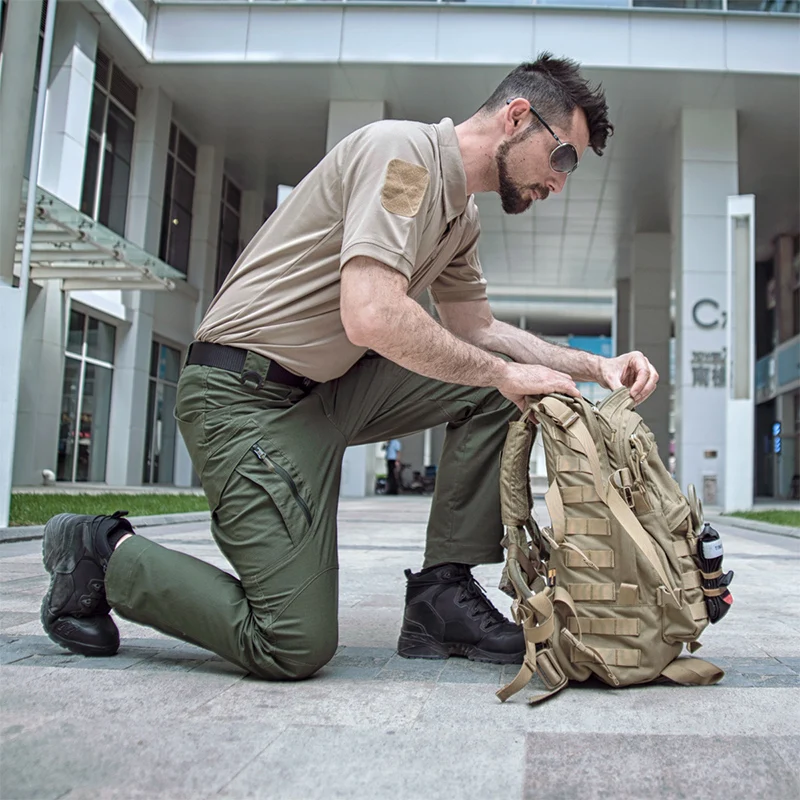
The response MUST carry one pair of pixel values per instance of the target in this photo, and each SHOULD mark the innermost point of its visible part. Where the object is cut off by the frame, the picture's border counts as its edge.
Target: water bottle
(715, 582)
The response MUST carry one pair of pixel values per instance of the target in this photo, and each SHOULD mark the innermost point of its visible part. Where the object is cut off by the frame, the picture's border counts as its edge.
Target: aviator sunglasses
(564, 158)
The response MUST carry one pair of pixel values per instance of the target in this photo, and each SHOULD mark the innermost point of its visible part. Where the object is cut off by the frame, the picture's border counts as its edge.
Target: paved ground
(166, 720)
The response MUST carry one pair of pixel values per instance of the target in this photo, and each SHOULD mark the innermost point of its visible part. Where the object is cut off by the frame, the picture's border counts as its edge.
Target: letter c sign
(706, 314)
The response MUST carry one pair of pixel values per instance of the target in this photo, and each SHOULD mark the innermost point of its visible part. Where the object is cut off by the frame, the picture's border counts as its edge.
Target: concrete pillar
(252, 215)
(650, 325)
(17, 74)
(63, 154)
(16, 95)
(41, 377)
(784, 287)
(706, 173)
(69, 103)
(621, 324)
(126, 439)
(205, 225)
(344, 117)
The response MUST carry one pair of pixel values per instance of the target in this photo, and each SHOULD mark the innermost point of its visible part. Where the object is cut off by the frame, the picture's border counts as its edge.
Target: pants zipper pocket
(261, 455)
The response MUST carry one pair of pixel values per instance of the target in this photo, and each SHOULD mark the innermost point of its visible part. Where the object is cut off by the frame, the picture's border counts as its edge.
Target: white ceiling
(272, 119)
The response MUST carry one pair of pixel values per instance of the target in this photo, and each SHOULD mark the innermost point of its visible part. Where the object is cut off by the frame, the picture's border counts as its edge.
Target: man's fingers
(641, 369)
(650, 386)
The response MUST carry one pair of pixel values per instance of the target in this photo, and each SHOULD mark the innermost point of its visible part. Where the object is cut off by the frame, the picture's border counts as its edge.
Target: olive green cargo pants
(270, 462)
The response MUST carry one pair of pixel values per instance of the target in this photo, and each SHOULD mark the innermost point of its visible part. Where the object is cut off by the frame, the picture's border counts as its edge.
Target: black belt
(207, 354)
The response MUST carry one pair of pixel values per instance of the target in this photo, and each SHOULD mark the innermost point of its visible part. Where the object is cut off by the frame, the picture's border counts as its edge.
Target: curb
(754, 525)
(28, 533)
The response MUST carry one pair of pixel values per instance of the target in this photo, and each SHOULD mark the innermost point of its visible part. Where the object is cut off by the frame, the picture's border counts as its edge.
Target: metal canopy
(83, 254)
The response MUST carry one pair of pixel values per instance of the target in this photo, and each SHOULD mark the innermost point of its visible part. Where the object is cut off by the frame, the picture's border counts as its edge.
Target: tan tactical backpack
(612, 587)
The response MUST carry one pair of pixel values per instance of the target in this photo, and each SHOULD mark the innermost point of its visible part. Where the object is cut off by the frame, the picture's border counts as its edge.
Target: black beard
(510, 195)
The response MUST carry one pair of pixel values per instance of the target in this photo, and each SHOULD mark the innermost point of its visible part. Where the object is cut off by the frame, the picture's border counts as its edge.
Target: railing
(737, 6)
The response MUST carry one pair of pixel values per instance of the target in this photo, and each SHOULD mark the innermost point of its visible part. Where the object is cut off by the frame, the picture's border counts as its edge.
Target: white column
(622, 319)
(126, 438)
(63, 155)
(741, 362)
(650, 325)
(69, 103)
(16, 95)
(344, 117)
(252, 216)
(706, 173)
(205, 225)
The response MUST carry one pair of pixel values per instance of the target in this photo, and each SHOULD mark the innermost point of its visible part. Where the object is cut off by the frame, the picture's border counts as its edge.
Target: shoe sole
(420, 645)
(80, 649)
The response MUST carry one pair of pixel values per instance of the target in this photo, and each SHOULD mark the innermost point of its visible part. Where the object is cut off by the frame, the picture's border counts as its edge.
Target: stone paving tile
(397, 764)
(171, 758)
(634, 767)
(408, 669)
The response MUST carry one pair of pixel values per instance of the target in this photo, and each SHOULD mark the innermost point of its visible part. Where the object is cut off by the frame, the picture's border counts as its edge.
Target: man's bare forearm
(411, 338)
(526, 348)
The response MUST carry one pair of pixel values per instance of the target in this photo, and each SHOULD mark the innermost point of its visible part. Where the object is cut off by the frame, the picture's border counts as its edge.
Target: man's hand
(523, 380)
(632, 370)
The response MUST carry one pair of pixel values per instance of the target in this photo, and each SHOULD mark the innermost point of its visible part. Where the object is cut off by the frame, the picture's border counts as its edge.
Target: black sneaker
(75, 612)
(448, 614)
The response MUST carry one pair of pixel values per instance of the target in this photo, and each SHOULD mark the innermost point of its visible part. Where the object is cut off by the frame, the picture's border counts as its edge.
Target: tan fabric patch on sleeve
(404, 188)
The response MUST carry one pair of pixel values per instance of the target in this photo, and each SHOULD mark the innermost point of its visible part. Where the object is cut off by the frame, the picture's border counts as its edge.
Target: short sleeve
(387, 172)
(462, 279)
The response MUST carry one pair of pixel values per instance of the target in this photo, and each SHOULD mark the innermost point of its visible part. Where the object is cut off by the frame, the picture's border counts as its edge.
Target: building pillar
(784, 287)
(344, 117)
(706, 174)
(650, 325)
(252, 216)
(205, 226)
(17, 75)
(621, 323)
(62, 159)
(17, 79)
(128, 422)
(69, 103)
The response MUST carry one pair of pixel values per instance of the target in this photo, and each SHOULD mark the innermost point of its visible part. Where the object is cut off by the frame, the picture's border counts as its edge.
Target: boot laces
(479, 604)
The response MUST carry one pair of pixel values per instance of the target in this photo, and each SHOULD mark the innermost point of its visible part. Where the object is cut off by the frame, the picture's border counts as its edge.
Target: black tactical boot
(76, 550)
(448, 614)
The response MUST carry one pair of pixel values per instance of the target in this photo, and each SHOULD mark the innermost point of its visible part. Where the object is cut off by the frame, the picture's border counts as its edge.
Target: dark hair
(554, 87)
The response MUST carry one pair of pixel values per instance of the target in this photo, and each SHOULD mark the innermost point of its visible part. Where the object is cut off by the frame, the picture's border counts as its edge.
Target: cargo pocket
(271, 471)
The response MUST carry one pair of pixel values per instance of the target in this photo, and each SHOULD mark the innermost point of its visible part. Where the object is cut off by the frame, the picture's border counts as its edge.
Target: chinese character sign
(709, 368)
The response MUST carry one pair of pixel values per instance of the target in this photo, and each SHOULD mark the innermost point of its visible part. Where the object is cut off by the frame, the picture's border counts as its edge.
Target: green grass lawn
(782, 517)
(36, 509)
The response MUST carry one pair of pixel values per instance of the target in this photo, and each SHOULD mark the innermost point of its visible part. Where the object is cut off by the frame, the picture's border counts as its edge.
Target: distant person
(316, 342)
(393, 449)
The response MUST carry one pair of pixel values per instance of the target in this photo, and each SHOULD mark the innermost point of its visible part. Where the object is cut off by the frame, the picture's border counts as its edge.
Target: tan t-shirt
(394, 191)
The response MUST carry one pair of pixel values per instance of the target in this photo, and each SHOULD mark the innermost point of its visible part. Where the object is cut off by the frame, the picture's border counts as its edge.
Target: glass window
(161, 428)
(176, 219)
(77, 322)
(100, 337)
(228, 246)
(86, 399)
(107, 170)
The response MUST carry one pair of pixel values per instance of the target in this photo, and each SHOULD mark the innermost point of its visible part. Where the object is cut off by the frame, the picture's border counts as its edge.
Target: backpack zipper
(261, 455)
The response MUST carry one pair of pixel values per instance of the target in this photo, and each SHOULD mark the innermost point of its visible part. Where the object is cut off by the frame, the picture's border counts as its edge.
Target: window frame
(154, 381)
(174, 160)
(101, 138)
(83, 359)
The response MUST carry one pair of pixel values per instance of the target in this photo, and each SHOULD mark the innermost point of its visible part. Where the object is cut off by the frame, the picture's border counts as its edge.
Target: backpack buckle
(627, 493)
(548, 670)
